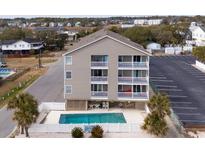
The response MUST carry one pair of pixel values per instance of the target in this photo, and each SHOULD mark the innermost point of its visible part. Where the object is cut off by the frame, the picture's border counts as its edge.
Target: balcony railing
(99, 93)
(98, 78)
(132, 79)
(99, 64)
(132, 64)
(133, 95)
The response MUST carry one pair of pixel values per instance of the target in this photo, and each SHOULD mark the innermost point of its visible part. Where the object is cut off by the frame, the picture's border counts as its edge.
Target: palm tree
(159, 103)
(155, 122)
(25, 111)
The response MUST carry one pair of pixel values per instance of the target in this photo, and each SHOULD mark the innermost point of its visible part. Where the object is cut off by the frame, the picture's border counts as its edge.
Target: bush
(77, 132)
(97, 132)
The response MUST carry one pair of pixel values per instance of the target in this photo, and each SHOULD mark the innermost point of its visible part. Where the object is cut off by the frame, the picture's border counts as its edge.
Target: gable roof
(101, 34)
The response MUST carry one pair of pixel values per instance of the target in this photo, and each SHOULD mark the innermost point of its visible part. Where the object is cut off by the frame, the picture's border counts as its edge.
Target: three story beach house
(103, 69)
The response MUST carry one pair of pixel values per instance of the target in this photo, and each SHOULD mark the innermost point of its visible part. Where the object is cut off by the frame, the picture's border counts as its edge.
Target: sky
(34, 8)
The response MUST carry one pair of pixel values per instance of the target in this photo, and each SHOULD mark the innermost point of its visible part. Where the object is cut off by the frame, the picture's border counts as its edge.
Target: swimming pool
(92, 118)
(6, 72)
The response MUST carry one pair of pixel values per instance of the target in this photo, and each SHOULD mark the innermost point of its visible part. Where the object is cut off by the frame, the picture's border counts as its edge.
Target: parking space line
(185, 108)
(176, 96)
(167, 86)
(163, 80)
(181, 102)
(188, 114)
(163, 89)
(159, 77)
(187, 120)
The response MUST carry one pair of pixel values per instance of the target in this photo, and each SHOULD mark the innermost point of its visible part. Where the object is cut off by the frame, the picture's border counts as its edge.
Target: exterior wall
(198, 34)
(81, 68)
(200, 65)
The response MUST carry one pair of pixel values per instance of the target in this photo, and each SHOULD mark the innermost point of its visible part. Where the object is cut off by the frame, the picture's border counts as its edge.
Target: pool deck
(131, 115)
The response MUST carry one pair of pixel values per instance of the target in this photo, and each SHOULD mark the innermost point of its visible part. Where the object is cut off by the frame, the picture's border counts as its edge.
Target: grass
(12, 88)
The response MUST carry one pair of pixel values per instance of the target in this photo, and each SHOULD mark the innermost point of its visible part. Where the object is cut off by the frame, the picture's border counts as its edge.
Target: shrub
(77, 132)
(97, 132)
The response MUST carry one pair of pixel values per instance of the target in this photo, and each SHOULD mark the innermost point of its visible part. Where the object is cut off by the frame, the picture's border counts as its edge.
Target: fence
(48, 106)
(67, 128)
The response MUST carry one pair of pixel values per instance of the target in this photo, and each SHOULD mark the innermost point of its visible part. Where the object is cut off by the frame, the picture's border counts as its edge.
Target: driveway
(184, 84)
(50, 86)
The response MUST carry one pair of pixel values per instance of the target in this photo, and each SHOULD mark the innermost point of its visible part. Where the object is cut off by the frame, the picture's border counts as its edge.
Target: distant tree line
(163, 34)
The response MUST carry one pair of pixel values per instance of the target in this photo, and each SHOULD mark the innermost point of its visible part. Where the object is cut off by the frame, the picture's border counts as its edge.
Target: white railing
(67, 128)
(98, 78)
(99, 64)
(48, 106)
(133, 64)
(132, 79)
(99, 93)
(131, 95)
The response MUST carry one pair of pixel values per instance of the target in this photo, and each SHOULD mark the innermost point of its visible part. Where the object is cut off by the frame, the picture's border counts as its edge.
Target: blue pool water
(5, 72)
(92, 118)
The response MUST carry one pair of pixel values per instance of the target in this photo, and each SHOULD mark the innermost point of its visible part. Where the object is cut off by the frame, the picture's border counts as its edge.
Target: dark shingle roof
(29, 40)
(101, 33)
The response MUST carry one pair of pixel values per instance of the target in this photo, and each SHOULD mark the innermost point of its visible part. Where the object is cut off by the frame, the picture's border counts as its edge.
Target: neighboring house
(148, 21)
(105, 67)
(77, 24)
(197, 34)
(153, 47)
(21, 47)
(173, 50)
(126, 25)
(72, 35)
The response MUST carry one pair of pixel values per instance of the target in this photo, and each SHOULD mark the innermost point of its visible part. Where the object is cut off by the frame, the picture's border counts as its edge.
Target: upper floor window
(68, 75)
(99, 58)
(68, 60)
(15, 46)
(68, 89)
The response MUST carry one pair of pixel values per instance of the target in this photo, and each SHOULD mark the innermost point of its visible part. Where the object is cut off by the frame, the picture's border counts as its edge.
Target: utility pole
(39, 59)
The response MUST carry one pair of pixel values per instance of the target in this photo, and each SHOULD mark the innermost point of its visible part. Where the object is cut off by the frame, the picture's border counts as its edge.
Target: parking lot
(184, 84)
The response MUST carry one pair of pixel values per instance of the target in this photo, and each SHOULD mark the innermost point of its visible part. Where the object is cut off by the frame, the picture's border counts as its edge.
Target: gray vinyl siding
(81, 67)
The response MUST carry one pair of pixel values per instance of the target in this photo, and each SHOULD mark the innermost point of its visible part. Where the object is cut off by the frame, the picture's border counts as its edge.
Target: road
(7, 125)
(184, 84)
(48, 88)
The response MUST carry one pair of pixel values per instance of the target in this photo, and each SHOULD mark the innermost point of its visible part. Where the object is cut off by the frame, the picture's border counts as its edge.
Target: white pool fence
(67, 128)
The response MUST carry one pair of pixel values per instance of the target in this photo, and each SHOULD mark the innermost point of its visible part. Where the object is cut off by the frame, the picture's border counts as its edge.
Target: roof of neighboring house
(29, 40)
(87, 40)
(202, 27)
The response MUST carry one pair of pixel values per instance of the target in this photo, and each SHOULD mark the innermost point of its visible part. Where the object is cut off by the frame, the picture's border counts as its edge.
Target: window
(68, 60)
(99, 87)
(125, 59)
(15, 46)
(68, 75)
(99, 58)
(99, 72)
(68, 89)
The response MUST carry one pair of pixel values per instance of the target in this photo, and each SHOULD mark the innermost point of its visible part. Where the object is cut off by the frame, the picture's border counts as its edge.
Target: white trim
(110, 38)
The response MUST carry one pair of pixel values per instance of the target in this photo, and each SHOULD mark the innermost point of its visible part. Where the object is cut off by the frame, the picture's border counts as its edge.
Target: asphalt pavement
(184, 84)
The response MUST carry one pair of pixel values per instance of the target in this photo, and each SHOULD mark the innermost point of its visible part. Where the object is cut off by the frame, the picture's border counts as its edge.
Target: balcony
(132, 79)
(98, 78)
(99, 93)
(133, 95)
(99, 64)
(133, 64)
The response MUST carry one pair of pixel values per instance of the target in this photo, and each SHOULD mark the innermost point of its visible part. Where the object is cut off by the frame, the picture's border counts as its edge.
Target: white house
(21, 46)
(198, 34)
(173, 50)
(72, 35)
(147, 21)
(127, 25)
(153, 46)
